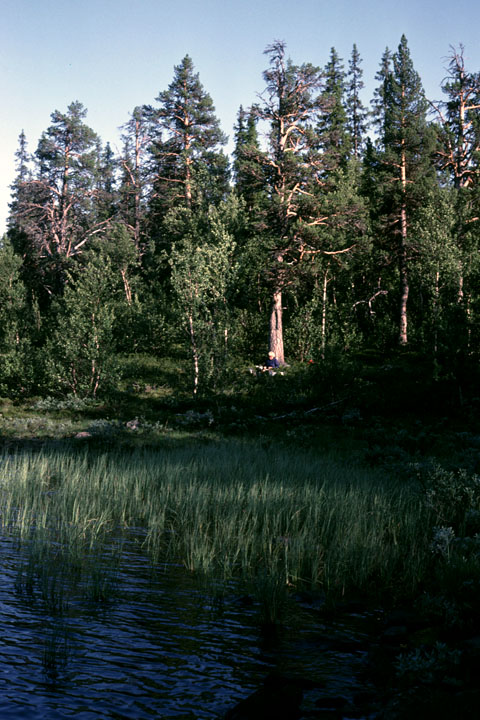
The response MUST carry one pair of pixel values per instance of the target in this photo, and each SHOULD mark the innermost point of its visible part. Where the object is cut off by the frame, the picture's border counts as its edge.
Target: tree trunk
(276, 327)
(403, 262)
(460, 295)
(126, 286)
(436, 312)
(404, 285)
(193, 341)
(137, 184)
(324, 313)
(188, 167)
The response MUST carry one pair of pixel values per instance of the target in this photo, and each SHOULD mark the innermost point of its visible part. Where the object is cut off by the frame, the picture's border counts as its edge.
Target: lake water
(160, 647)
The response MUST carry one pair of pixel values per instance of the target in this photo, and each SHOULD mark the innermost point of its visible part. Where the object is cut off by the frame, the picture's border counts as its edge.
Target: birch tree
(202, 272)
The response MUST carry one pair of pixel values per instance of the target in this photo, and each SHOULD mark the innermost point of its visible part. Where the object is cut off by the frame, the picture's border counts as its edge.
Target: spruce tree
(379, 101)
(357, 114)
(106, 200)
(18, 217)
(21, 224)
(342, 233)
(248, 172)
(403, 165)
(333, 132)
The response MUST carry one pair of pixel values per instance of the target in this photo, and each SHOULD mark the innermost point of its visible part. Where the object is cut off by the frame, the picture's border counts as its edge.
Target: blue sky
(112, 55)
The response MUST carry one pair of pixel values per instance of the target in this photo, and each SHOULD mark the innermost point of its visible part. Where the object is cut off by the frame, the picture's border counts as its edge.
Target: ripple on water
(158, 649)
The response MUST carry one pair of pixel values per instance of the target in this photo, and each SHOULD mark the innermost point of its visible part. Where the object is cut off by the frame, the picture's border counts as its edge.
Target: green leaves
(203, 271)
(78, 356)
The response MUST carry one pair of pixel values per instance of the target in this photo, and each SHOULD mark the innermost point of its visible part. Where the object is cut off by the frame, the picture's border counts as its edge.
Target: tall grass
(275, 517)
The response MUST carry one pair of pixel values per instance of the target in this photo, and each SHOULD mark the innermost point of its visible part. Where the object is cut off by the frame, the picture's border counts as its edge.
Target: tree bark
(276, 327)
(403, 260)
(137, 183)
(324, 312)
(404, 284)
(193, 340)
(126, 286)
(436, 303)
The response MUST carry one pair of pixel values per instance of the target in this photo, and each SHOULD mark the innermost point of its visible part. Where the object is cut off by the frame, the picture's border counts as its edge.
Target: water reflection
(160, 647)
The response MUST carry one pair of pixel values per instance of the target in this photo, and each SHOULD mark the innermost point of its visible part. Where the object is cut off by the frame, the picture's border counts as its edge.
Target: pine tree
(189, 168)
(304, 215)
(458, 155)
(459, 122)
(56, 211)
(134, 184)
(66, 160)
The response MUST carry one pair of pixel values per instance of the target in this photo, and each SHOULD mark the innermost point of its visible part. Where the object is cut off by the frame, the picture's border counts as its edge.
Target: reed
(272, 516)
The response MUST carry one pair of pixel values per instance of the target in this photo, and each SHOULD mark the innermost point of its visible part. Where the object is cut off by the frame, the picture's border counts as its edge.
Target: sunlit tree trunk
(126, 286)
(293, 169)
(193, 341)
(403, 261)
(324, 312)
(276, 327)
(436, 308)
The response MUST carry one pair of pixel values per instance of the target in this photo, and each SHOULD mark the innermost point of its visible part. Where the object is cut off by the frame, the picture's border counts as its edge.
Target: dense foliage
(336, 231)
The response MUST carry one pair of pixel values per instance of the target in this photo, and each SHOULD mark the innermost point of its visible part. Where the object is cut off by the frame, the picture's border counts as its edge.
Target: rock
(83, 435)
(279, 699)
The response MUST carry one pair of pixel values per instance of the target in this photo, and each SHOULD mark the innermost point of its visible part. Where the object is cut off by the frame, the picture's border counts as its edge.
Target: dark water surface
(159, 647)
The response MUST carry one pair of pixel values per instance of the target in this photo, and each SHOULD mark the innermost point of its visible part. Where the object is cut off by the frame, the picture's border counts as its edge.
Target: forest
(334, 231)
(143, 447)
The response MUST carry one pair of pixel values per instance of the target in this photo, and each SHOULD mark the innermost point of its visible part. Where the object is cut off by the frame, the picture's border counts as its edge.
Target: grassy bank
(319, 478)
(343, 483)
